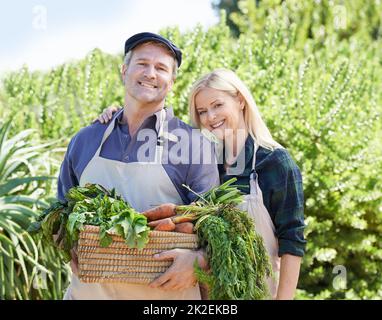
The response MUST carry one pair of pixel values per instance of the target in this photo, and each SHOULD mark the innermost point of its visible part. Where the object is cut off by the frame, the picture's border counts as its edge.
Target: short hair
(129, 54)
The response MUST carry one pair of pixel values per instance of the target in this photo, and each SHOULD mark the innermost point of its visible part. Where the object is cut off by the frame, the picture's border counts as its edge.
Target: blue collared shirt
(200, 175)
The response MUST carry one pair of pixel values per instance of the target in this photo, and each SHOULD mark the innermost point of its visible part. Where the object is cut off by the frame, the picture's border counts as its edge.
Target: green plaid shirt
(280, 181)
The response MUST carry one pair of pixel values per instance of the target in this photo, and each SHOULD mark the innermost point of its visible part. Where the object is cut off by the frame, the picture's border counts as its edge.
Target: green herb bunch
(239, 263)
(91, 205)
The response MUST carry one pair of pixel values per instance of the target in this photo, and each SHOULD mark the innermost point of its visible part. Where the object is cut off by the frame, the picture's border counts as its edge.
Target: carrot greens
(239, 264)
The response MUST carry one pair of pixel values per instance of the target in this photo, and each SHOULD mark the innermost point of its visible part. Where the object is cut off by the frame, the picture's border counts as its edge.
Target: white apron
(143, 185)
(254, 205)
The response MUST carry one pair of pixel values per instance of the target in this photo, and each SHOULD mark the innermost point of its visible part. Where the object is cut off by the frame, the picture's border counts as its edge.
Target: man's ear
(171, 84)
(123, 72)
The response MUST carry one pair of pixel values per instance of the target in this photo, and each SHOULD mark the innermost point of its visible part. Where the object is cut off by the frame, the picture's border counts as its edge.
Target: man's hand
(180, 275)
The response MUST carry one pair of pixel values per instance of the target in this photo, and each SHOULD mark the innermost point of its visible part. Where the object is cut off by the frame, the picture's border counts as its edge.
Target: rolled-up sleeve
(287, 206)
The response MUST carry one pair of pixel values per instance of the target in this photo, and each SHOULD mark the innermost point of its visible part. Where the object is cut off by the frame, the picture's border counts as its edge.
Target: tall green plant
(28, 268)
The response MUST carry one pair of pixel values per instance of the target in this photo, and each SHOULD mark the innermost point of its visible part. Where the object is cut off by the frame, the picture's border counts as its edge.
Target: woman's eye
(218, 105)
(201, 112)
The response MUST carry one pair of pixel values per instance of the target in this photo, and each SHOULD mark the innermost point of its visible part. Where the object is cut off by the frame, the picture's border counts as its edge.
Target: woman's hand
(180, 275)
(107, 114)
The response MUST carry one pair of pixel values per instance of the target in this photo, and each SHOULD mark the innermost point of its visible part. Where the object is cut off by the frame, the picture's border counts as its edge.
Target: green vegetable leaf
(105, 239)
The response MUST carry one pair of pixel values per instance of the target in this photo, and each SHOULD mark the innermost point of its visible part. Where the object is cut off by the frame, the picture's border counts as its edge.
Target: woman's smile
(217, 125)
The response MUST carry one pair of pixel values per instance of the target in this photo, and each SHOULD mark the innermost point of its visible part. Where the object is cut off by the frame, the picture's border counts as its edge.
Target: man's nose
(149, 72)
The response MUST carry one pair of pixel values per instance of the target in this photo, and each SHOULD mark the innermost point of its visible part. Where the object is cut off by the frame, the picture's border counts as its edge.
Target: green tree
(313, 19)
(228, 6)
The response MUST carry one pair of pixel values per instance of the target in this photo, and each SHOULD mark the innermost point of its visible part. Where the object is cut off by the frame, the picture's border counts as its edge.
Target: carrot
(154, 223)
(165, 225)
(175, 219)
(163, 211)
(184, 227)
(183, 218)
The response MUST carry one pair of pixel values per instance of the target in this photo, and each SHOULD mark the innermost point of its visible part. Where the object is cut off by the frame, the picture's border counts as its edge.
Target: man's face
(148, 77)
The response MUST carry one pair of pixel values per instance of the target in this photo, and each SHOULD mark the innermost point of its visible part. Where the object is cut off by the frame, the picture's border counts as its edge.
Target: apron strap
(253, 182)
(253, 175)
(161, 137)
(108, 131)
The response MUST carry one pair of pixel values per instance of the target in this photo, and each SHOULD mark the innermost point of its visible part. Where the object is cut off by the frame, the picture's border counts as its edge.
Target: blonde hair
(227, 81)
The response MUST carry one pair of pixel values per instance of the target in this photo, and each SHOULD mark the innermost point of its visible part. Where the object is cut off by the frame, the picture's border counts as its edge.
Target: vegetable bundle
(91, 205)
(237, 257)
(239, 264)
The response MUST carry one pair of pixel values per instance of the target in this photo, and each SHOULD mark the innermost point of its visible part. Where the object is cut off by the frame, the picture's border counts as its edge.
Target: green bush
(63, 100)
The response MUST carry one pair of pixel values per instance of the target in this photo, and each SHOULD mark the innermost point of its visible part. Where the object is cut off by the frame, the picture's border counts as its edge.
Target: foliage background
(315, 70)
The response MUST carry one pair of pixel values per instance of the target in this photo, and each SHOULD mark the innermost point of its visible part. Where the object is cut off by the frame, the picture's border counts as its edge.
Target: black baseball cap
(142, 37)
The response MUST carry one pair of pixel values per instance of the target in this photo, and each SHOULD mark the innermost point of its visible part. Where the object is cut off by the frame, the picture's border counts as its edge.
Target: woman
(221, 104)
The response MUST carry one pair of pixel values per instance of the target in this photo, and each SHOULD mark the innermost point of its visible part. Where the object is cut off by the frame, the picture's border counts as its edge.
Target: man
(111, 155)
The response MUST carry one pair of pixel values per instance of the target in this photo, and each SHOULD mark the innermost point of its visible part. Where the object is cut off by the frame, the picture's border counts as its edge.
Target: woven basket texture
(119, 263)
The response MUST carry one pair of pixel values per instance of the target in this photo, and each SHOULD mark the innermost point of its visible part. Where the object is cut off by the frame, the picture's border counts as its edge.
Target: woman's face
(219, 111)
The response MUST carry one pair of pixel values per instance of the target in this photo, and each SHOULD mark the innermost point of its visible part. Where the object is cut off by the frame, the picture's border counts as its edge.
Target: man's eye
(218, 105)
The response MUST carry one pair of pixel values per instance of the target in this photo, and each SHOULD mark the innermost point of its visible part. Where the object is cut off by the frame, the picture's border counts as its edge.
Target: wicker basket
(118, 263)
